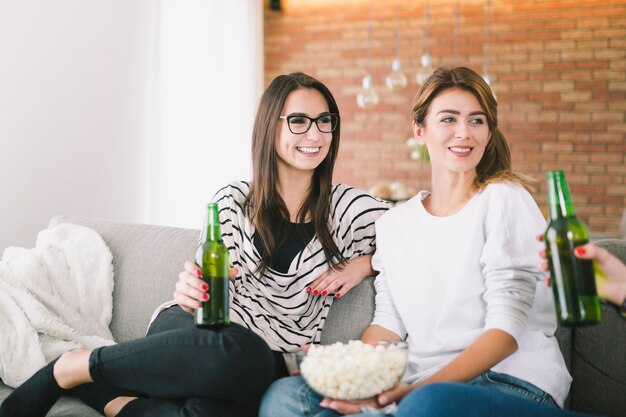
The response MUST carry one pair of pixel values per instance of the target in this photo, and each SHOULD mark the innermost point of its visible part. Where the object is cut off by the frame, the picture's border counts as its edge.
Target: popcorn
(355, 370)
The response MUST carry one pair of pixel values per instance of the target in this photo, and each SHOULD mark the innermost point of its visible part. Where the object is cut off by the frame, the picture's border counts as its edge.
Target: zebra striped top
(276, 306)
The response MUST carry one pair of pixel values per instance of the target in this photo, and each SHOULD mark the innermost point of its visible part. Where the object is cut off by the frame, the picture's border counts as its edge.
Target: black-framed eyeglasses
(299, 123)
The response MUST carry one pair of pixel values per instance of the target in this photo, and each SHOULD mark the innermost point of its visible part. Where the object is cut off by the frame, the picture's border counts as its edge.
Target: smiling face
(455, 131)
(302, 153)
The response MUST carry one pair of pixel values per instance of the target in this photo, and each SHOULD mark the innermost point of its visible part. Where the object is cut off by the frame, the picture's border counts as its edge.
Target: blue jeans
(292, 397)
(467, 400)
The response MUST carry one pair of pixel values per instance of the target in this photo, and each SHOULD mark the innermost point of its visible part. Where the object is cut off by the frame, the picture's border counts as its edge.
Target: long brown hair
(264, 204)
(495, 165)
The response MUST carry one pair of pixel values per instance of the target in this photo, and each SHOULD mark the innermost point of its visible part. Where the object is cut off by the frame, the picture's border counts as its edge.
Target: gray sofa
(148, 259)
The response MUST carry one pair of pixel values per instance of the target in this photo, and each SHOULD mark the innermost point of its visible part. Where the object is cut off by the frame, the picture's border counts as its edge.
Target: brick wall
(558, 69)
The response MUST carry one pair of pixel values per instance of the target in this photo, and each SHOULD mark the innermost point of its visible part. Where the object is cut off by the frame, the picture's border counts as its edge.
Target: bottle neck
(213, 231)
(559, 199)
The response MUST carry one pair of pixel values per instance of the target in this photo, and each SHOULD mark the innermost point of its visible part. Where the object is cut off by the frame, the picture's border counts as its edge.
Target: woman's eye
(297, 120)
(448, 120)
(477, 121)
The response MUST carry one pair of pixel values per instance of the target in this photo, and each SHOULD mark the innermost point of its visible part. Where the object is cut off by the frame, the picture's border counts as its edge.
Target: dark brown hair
(264, 203)
(495, 165)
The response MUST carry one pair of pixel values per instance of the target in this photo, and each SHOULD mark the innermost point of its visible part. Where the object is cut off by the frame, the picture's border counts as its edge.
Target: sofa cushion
(599, 371)
(351, 314)
(147, 260)
(598, 358)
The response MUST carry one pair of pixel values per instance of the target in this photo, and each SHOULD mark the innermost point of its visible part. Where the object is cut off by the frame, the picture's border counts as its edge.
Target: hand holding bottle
(610, 272)
(191, 290)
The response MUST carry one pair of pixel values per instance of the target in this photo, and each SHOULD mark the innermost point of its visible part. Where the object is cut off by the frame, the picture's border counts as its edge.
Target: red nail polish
(338, 295)
(205, 296)
(198, 273)
(205, 287)
(580, 251)
(324, 293)
(315, 292)
(308, 290)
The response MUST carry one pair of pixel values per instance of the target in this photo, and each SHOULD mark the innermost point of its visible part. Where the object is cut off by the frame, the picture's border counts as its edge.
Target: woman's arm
(340, 281)
(374, 333)
(489, 349)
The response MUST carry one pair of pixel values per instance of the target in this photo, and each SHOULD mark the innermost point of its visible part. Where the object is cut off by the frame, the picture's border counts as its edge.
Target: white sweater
(443, 281)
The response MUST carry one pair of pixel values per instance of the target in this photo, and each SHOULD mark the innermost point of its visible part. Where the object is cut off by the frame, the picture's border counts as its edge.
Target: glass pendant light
(425, 70)
(418, 152)
(426, 60)
(396, 80)
(367, 97)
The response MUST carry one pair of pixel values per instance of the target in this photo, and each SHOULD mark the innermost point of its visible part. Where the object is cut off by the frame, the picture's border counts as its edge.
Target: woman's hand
(349, 407)
(355, 407)
(191, 291)
(610, 281)
(340, 281)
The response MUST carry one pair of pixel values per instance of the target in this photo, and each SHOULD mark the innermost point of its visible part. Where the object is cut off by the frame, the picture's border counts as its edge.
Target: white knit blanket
(54, 297)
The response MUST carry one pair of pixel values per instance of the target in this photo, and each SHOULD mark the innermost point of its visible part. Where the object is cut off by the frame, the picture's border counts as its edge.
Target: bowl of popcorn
(353, 370)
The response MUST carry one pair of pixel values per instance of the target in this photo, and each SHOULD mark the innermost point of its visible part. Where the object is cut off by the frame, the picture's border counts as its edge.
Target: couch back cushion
(147, 260)
(351, 314)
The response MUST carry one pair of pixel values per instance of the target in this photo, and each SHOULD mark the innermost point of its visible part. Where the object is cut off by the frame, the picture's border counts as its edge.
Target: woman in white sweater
(459, 277)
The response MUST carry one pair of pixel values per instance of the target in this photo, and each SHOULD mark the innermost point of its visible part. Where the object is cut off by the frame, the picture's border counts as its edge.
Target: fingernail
(580, 251)
(315, 292)
(308, 290)
(198, 304)
(324, 293)
(198, 273)
(338, 295)
(205, 296)
(205, 287)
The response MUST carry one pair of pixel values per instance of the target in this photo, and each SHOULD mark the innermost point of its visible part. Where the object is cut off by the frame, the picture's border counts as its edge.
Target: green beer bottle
(572, 279)
(212, 258)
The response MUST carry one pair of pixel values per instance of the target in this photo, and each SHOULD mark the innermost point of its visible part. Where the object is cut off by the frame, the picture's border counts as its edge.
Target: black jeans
(180, 370)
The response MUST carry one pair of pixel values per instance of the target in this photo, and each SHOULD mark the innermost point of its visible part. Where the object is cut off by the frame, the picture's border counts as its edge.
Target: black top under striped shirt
(297, 238)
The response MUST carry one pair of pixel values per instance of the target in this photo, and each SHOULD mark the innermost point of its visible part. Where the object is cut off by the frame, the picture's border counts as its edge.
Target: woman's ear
(418, 132)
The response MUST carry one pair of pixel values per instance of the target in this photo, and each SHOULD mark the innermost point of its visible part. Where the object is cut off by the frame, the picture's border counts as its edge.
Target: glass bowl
(353, 370)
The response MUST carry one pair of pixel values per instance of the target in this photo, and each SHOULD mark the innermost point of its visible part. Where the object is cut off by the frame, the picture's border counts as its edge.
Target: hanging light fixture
(367, 97)
(426, 60)
(396, 80)
(487, 57)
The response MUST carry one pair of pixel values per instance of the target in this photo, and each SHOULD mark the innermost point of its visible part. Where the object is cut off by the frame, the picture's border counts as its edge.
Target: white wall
(79, 115)
(74, 82)
(211, 80)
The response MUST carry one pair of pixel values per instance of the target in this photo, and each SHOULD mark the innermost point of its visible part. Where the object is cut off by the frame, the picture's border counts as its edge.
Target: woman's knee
(235, 358)
(432, 400)
(285, 397)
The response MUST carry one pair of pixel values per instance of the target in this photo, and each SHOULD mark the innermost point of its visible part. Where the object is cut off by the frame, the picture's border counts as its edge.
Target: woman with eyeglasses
(296, 243)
